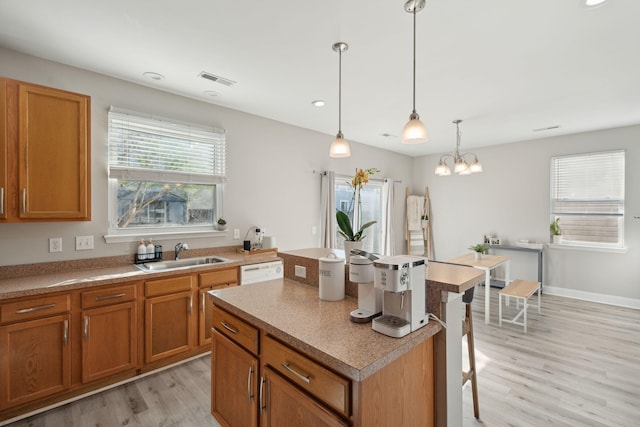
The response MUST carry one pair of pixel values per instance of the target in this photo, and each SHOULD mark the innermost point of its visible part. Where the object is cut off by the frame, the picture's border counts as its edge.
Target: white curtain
(328, 206)
(388, 247)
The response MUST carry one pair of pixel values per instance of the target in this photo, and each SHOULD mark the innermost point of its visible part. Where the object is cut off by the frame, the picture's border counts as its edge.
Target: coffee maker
(402, 279)
(369, 296)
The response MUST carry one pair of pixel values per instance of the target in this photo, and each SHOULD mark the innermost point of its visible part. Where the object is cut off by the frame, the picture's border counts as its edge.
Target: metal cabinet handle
(190, 305)
(24, 200)
(203, 302)
(65, 334)
(228, 328)
(249, 384)
(29, 310)
(305, 378)
(1, 200)
(106, 297)
(261, 393)
(86, 328)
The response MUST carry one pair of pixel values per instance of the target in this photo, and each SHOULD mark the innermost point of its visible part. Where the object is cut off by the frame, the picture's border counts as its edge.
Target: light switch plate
(236, 233)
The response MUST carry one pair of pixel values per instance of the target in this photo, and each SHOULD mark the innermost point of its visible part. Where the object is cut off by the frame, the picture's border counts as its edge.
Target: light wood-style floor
(578, 365)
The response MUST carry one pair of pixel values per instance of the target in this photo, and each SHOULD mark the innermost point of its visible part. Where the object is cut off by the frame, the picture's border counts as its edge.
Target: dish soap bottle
(142, 251)
(151, 250)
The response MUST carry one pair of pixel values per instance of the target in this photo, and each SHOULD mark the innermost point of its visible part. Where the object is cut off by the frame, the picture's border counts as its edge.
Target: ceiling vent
(217, 79)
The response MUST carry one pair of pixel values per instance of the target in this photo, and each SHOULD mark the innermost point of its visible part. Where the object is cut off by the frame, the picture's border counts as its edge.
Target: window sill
(126, 238)
(564, 246)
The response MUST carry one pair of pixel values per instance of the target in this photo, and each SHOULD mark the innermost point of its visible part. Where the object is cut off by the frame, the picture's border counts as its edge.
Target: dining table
(488, 263)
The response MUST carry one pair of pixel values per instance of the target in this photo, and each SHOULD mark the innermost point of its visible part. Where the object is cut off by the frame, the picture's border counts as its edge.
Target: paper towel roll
(268, 242)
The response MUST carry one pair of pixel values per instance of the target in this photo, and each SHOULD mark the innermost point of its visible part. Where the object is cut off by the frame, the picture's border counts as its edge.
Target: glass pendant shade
(442, 169)
(460, 167)
(414, 132)
(339, 147)
(475, 167)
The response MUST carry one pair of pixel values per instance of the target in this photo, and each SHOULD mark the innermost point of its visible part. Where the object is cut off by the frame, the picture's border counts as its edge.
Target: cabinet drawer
(102, 297)
(33, 308)
(325, 385)
(235, 329)
(154, 288)
(221, 277)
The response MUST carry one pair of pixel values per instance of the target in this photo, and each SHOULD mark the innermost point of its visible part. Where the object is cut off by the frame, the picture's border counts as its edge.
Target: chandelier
(460, 165)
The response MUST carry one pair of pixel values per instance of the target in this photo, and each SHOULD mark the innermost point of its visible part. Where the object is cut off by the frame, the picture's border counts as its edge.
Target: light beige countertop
(293, 312)
(81, 274)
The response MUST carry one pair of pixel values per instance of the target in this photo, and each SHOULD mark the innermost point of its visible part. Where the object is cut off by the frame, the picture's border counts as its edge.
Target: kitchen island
(363, 378)
(377, 380)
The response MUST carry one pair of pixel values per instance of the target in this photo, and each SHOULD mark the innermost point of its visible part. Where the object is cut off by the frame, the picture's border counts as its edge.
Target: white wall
(270, 171)
(511, 198)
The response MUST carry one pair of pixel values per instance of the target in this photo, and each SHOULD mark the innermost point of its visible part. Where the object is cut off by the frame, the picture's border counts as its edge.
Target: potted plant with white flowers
(353, 240)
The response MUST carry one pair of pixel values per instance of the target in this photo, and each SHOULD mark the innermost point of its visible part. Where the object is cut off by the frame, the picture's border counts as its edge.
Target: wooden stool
(521, 290)
(467, 329)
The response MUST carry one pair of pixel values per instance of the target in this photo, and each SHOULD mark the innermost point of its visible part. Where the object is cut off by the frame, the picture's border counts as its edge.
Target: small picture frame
(495, 240)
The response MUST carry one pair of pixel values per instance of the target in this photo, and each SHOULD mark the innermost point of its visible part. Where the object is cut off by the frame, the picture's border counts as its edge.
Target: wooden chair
(467, 330)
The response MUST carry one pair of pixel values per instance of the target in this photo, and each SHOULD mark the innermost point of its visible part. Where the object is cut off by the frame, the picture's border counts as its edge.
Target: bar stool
(467, 329)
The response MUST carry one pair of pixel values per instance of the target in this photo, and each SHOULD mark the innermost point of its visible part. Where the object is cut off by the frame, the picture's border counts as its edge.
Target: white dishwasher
(254, 273)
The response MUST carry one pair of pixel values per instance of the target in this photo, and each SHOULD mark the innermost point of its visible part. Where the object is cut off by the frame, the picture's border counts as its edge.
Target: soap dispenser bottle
(142, 251)
(151, 250)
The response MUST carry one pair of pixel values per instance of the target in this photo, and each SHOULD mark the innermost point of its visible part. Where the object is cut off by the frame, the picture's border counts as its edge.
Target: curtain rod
(321, 172)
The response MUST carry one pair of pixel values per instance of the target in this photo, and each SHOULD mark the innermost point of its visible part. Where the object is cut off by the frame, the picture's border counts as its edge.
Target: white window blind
(587, 194)
(156, 149)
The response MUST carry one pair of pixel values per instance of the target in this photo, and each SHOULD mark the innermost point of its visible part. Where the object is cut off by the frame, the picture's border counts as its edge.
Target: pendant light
(340, 147)
(414, 131)
(460, 165)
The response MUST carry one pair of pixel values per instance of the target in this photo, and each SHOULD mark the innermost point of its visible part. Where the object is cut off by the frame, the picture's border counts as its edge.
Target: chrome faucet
(179, 248)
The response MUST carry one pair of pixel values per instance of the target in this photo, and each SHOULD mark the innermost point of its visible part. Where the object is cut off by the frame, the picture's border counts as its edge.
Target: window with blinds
(587, 194)
(164, 173)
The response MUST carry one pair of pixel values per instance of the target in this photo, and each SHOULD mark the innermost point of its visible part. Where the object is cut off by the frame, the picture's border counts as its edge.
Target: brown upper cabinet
(45, 169)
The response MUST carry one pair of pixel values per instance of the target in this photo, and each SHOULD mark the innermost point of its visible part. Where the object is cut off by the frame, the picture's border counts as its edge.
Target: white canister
(268, 242)
(331, 280)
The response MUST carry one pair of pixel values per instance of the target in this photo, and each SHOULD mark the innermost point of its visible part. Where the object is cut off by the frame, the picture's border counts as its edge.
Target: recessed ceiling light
(318, 103)
(211, 93)
(590, 4)
(153, 76)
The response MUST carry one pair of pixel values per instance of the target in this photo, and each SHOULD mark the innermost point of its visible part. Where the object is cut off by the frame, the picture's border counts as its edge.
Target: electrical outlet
(55, 244)
(236, 233)
(84, 243)
(301, 271)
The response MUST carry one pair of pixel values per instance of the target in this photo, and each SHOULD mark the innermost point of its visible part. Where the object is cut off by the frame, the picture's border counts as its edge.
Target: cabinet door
(206, 313)
(168, 325)
(35, 360)
(53, 154)
(286, 406)
(109, 341)
(234, 387)
(4, 153)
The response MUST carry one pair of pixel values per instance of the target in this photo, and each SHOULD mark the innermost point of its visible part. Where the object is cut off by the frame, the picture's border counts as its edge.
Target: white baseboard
(593, 297)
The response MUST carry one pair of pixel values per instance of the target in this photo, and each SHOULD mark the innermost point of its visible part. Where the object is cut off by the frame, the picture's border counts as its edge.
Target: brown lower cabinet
(285, 405)
(109, 332)
(63, 344)
(291, 389)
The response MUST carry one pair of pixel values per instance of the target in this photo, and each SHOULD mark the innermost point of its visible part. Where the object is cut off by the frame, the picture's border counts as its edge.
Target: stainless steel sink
(181, 263)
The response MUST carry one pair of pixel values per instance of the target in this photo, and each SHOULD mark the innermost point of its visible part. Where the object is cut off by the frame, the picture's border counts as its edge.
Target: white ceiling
(505, 67)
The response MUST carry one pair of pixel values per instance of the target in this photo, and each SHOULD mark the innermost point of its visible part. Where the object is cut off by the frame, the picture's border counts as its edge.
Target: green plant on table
(480, 248)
